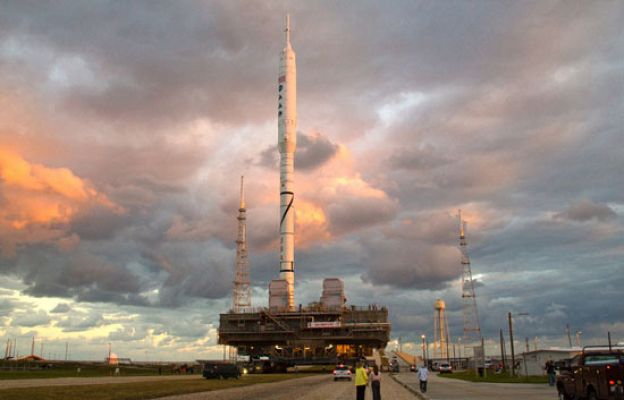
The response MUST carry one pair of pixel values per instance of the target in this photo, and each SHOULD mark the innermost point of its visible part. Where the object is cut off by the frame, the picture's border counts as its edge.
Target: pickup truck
(597, 373)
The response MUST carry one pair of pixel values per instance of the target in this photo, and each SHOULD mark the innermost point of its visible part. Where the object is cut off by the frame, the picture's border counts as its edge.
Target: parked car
(445, 368)
(394, 366)
(595, 374)
(220, 371)
(342, 372)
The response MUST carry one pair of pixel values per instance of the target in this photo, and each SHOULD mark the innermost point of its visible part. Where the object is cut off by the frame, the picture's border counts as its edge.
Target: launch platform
(309, 335)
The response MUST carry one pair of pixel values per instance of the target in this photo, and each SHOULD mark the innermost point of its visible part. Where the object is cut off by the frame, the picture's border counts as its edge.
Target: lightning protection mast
(241, 299)
(472, 330)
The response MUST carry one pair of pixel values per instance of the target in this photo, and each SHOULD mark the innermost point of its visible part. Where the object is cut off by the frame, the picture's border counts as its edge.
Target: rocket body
(287, 143)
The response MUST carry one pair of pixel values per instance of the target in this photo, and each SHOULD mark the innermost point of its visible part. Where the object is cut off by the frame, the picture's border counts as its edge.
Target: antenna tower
(241, 299)
(472, 330)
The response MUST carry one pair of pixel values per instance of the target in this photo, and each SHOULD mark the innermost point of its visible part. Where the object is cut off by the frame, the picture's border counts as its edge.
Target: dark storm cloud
(411, 266)
(269, 158)
(77, 322)
(312, 151)
(6, 307)
(546, 244)
(98, 223)
(47, 273)
(153, 61)
(418, 158)
(550, 306)
(31, 319)
(61, 308)
(192, 272)
(352, 212)
(587, 210)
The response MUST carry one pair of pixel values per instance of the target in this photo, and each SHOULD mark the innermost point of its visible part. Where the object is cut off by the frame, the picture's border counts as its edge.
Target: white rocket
(287, 143)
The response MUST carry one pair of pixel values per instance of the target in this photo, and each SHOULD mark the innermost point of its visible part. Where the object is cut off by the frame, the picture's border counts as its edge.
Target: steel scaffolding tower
(241, 299)
(472, 330)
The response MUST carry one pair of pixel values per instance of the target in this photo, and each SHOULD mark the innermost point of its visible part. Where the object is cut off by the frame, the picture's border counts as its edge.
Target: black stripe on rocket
(288, 207)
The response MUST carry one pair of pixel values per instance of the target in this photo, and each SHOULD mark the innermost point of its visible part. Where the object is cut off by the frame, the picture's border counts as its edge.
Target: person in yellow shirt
(361, 380)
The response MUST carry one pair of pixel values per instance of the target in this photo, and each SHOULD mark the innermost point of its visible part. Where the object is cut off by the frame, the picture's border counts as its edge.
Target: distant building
(533, 362)
(31, 357)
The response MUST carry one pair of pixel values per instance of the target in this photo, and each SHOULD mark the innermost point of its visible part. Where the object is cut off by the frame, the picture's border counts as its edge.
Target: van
(220, 371)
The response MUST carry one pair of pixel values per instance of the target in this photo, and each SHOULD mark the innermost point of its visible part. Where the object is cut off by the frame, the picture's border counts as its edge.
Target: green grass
(315, 369)
(494, 378)
(70, 370)
(137, 390)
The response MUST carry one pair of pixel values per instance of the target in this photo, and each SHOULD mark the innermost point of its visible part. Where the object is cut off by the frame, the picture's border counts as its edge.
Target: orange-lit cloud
(335, 199)
(38, 202)
(311, 224)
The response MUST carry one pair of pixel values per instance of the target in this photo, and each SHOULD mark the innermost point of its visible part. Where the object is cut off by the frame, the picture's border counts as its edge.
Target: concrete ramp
(409, 358)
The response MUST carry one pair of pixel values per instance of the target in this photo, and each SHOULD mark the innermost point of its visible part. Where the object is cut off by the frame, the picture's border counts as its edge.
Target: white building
(533, 362)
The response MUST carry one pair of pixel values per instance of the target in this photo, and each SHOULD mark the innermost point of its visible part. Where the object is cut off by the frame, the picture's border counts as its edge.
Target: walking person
(361, 380)
(375, 379)
(423, 374)
(551, 372)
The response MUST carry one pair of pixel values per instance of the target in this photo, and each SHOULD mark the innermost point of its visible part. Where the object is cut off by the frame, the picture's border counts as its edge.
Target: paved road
(318, 387)
(455, 389)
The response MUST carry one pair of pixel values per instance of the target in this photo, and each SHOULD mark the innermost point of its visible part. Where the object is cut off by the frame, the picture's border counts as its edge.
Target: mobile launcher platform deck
(273, 338)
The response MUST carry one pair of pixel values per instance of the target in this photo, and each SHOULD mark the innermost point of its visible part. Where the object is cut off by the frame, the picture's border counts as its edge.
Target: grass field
(494, 378)
(71, 370)
(136, 391)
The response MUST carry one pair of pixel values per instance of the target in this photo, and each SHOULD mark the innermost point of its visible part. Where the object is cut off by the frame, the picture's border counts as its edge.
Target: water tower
(440, 330)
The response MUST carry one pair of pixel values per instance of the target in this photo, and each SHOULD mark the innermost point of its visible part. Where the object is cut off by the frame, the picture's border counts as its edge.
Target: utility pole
(66, 349)
(502, 349)
(483, 357)
(513, 358)
(447, 348)
(511, 343)
(423, 349)
(454, 357)
(526, 344)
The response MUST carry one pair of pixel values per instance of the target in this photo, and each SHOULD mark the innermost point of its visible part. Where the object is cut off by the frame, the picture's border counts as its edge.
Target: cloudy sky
(124, 128)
